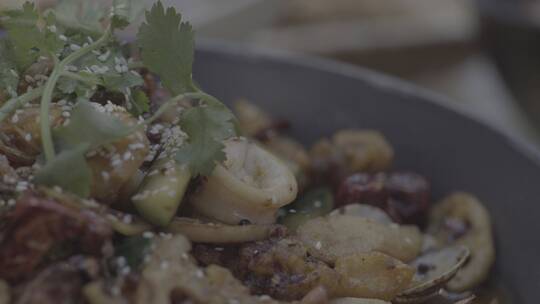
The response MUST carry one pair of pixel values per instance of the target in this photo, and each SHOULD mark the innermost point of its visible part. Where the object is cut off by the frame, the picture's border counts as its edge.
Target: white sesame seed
(8, 179)
(125, 270)
(115, 291)
(318, 245)
(71, 68)
(29, 78)
(62, 37)
(121, 261)
(103, 57)
(105, 175)
(21, 186)
(128, 156)
(52, 28)
(148, 234)
(164, 265)
(28, 137)
(95, 69)
(166, 235)
(116, 162)
(74, 47)
(14, 73)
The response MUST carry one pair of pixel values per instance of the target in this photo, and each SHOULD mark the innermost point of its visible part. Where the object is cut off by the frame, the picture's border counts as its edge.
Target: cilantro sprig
(87, 57)
(167, 49)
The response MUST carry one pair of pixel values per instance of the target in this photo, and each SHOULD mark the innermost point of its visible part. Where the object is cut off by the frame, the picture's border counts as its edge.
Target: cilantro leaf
(167, 47)
(31, 34)
(69, 171)
(9, 77)
(82, 85)
(206, 126)
(90, 127)
(116, 82)
(140, 103)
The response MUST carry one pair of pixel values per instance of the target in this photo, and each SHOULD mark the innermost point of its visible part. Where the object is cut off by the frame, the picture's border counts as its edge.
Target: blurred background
(483, 54)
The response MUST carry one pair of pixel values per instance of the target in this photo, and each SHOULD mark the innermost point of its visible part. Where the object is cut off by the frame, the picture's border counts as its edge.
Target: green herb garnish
(167, 49)
(87, 58)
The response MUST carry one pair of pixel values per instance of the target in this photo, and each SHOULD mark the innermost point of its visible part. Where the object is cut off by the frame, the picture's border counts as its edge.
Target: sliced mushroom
(433, 271)
(365, 211)
(331, 237)
(373, 275)
(252, 185)
(461, 219)
(216, 233)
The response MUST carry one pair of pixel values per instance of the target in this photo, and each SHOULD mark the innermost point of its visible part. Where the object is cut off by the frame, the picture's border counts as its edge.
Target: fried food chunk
(38, 225)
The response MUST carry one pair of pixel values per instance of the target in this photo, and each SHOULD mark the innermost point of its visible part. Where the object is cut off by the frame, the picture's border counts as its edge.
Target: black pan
(453, 149)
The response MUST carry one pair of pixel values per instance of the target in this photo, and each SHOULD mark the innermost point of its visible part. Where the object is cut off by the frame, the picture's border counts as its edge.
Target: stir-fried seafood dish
(122, 181)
